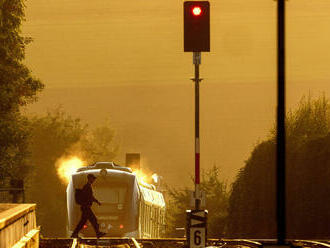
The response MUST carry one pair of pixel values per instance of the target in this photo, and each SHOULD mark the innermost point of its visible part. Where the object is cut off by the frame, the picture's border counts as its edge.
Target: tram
(129, 208)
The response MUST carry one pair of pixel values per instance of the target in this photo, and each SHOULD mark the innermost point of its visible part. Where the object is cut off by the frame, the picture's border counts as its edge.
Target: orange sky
(103, 43)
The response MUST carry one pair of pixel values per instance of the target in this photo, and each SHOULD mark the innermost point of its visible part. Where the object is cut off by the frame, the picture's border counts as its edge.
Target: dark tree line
(17, 88)
(248, 210)
(252, 201)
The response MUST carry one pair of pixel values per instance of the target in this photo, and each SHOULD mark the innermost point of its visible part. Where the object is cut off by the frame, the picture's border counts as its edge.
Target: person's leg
(82, 222)
(92, 219)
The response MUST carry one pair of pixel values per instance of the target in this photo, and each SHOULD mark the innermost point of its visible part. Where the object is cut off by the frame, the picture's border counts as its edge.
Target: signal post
(196, 40)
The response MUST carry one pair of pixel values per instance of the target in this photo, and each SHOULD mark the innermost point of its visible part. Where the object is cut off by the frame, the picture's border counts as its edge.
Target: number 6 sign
(197, 237)
(196, 228)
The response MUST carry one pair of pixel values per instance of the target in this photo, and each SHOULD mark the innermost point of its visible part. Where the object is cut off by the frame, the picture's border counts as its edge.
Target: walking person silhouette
(86, 202)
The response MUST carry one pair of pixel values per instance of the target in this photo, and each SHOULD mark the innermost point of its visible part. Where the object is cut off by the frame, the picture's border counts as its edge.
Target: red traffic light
(197, 11)
(196, 18)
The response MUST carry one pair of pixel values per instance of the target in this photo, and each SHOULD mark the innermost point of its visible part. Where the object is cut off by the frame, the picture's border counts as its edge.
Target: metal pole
(280, 175)
(197, 61)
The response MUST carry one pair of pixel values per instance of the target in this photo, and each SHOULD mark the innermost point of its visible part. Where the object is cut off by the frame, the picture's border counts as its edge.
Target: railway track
(170, 243)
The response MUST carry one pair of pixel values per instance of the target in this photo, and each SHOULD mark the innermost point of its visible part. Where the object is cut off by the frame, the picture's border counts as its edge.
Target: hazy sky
(103, 42)
(107, 43)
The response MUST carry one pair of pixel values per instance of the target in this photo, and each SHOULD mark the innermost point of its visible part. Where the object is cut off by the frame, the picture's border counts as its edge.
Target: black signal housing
(196, 26)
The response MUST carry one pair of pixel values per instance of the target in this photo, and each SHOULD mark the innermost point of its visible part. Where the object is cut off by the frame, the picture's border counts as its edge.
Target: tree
(252, 201)
(309, 121)
(97, 145)
(57, 135)
(17, 88)
(13, 146)
(52, 135)
(216, 204)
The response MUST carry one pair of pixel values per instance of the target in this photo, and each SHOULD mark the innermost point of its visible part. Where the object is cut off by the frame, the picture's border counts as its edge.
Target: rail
(56, 243)
(108, 242)
(74, 244)
(241, 242)
(309, 244)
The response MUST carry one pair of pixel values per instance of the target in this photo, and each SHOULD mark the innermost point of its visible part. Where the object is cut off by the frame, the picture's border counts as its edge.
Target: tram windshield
(111, 194)
(112, 198)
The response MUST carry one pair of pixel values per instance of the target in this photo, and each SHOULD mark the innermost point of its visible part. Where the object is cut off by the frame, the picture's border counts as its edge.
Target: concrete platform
(18, 227)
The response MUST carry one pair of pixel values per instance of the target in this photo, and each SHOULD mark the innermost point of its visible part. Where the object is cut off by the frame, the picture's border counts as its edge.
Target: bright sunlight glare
(141, 176)
(67, 166)
(155, 177)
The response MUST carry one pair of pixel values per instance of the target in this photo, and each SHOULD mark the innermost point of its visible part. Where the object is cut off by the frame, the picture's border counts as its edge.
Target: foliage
(17, 88)
(216, 204)
(252, 202)
(97, 145)
(55, 135)
(13, 146)
(310, 120)
(52, 135)
(308, 190)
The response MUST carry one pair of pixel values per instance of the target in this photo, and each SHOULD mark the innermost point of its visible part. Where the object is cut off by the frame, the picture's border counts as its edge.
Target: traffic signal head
(196, 26)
